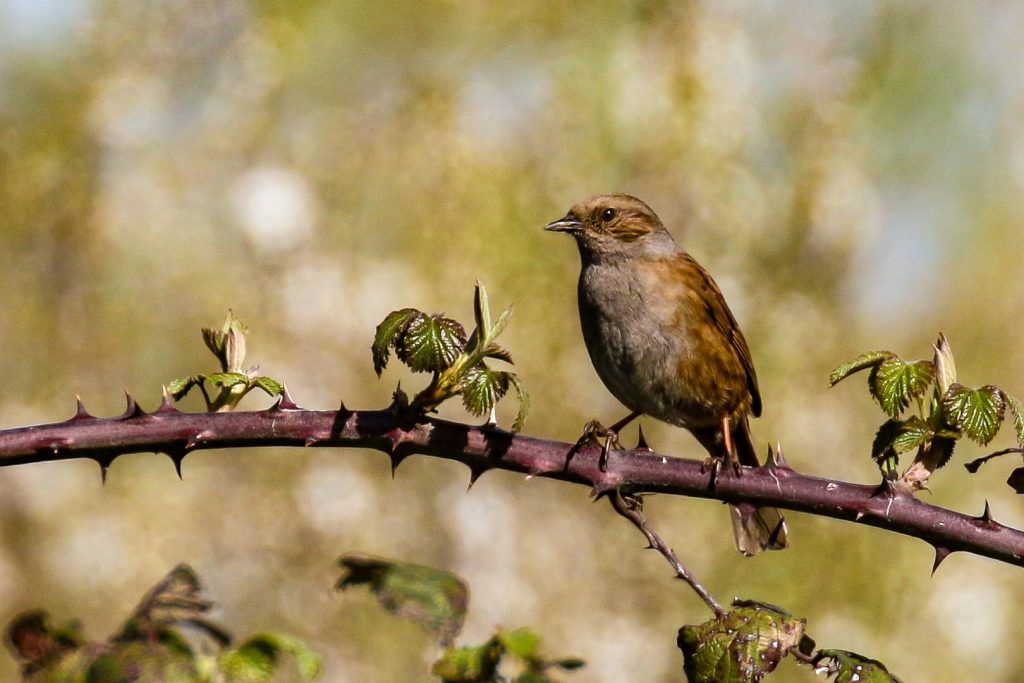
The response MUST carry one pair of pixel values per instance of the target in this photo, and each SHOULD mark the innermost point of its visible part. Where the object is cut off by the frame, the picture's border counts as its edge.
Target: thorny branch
(482, 448)
(630, 507)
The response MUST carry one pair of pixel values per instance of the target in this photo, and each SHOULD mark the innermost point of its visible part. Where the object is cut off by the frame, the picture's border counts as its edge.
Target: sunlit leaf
(850, 667)
(868, 360)
(1018, 417)
(178, 388)
(482, 388)
(524, 404)
(473, 664)
(431, 597)
(387, 334)
(430, 343)
(745, 645)
(228, 379)
(894, 383)
(976, 412)
(259, 659)
(522, 642)
(269, 385)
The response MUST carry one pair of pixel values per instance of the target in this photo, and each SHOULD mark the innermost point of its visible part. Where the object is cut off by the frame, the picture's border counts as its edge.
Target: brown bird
(664, 342)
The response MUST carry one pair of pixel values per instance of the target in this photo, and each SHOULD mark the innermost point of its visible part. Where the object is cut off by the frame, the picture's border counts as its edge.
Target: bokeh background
(851, 172)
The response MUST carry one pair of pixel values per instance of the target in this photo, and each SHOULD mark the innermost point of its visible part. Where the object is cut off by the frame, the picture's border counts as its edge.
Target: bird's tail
(754, 528)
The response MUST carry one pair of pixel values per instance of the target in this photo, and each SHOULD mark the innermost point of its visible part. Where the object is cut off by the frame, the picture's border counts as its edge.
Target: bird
(664, 342)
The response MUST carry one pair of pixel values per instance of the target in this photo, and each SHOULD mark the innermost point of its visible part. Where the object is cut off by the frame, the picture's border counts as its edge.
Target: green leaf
(894, 383)
(524, 403)
(868, 360)
(1018, 416)
(259, 659)
(850, 667)
(744, 645)
(36, 643)
(945, 368)
(178, 388)
(495, 351)
(388, 332)
(481, 309)
(913, 432)
(976, 412)
(482, 388)
(430, 597)
(430, 343)
(228, 379)
(522, 642)
(882, 450)
(269, 385)
(473, 664)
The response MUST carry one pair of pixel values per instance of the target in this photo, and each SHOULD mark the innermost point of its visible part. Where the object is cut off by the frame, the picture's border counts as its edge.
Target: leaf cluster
(748, 642)
(233, 381)
(152, 646)
(437, 600)
(952, 411)
(439, 345)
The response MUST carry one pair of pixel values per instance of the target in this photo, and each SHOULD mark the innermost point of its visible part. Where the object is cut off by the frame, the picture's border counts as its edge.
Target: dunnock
(664, 342)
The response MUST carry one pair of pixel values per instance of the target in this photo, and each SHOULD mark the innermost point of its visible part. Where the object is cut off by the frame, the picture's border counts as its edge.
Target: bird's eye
(608, 214)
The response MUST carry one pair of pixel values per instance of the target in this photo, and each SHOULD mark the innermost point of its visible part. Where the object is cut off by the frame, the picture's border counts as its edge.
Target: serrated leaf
(430, 343)
(863, 362)
(430, 597)
(482, 387)
(850, 667)
(495, 351)
(524, 403)
(912, 433)
(471, 664)
(227, 379)
(269, 385)
(1018, 417)
(178, 388)
(388, 332)
(975, 412)
(894, 383)
(744, 645)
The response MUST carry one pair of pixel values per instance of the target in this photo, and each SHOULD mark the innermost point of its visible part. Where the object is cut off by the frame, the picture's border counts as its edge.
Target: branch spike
(986, 516)
(80, 412)
(396, 459)
(104, 463)
(286, 402)
(311, 441)
(941, 553)
(475, 470)
(166, 402)
(641, 442)
(775, 460)
(859, 516)
(132, 408)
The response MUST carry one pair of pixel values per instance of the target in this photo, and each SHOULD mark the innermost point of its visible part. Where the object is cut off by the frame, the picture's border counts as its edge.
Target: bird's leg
(612, 436)
(730, 448)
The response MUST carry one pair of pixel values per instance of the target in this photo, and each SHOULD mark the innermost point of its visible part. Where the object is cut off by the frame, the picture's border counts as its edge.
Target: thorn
(80, 412)
(396, 460)
(775, 459)
(601, 488)
(941, 553)
(286, 402)
(986, 516)
(343, 410)
(885, 489)
(166, 402)
(475, 471)
(104, 464)
(132, 408)
(311, 441)
(641, 442)
(859, 516)
(176, 457)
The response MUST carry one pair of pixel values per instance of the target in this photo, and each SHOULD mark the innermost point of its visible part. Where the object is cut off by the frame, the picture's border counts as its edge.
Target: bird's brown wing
(723, 318)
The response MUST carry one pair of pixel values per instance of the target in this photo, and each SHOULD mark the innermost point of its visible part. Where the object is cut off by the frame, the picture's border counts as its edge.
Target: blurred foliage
(151, 645)
(850, 173)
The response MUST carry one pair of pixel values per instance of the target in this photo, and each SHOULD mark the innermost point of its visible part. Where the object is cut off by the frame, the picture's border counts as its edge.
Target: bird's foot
(593, 433)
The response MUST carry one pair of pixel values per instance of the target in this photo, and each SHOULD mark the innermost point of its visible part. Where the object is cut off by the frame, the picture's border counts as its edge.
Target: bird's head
(615, 225)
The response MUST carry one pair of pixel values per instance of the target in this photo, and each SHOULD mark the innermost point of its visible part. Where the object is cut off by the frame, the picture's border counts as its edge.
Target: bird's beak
(567, 223)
